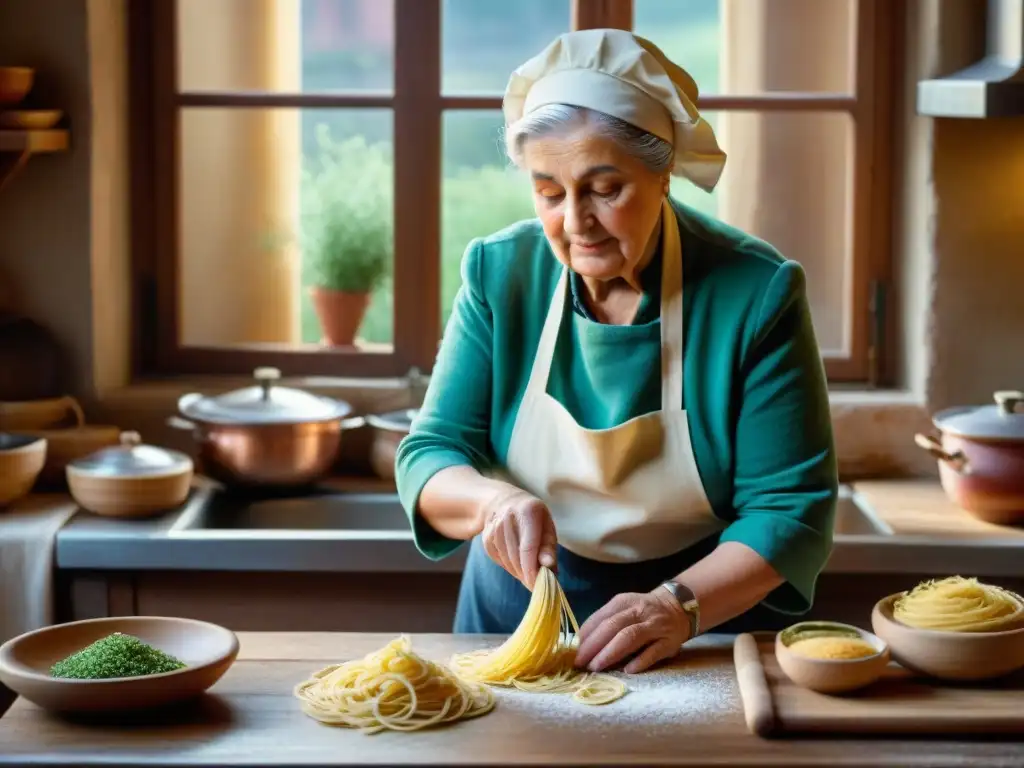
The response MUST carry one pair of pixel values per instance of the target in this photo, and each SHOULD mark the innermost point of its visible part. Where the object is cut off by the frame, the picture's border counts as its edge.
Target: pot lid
(131, 459)
(1002, 421)
(396, 421)
(263, 403)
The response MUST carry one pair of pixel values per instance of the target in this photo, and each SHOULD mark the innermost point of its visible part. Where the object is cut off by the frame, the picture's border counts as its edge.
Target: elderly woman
(627, 391)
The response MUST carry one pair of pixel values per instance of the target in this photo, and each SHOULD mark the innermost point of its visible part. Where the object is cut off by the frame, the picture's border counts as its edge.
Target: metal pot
(130, 480)
(981, 457)
(265, 435)
(388, 431)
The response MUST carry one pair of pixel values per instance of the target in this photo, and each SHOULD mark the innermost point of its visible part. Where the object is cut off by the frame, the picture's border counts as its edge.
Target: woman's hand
(519, 534)
(648, 626)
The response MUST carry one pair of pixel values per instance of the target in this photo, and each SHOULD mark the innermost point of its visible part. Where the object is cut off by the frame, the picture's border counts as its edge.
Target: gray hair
(552, 119)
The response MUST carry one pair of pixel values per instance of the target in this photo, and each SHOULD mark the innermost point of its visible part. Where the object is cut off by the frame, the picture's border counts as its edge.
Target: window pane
(484, 40)
(285, 45)
(788, 180)
(744, 47)
(482, 193)
(274, 203)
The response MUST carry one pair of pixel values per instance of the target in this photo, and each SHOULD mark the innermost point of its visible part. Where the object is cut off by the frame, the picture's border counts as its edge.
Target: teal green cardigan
(754, 386)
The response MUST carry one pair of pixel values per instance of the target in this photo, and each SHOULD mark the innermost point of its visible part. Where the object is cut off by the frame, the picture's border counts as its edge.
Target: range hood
(992, 87)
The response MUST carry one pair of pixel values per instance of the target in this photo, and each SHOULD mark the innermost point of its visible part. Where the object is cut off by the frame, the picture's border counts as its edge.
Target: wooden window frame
(418, 106)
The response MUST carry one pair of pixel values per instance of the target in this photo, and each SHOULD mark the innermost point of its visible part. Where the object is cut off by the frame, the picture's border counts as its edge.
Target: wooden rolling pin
(758, 709)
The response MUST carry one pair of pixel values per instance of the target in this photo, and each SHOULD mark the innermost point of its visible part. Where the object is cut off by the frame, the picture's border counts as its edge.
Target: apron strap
(538, 382)
(671, 311)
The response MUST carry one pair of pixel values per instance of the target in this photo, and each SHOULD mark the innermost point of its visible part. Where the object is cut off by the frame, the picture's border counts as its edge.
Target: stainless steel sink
(332, 515)
(855, 519)
(364, 516)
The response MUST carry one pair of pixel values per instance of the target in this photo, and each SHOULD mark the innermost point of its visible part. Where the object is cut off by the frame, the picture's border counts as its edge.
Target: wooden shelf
(19, 146)
(34, 142)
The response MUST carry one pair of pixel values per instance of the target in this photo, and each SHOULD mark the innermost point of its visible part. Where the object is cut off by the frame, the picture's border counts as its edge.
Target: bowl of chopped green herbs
(119, 663)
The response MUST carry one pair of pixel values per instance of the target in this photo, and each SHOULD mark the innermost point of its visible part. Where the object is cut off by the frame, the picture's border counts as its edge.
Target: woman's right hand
(519, 534)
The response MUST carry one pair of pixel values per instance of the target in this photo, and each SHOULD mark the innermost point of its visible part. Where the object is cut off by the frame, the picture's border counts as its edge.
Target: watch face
(683, 594)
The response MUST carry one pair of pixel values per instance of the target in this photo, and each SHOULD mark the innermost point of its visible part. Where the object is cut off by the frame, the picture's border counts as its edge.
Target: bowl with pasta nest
(955, 628)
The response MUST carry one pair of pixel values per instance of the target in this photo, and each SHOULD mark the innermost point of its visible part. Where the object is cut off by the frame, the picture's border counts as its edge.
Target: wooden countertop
(921, 508)
(688, 715)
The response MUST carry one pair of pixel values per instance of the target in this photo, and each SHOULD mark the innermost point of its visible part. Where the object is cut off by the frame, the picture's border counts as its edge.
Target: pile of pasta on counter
(391, 689)
(396, 689)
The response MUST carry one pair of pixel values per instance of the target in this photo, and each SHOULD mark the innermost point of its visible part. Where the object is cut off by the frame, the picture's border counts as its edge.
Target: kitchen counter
(883, 527)
(921, 510)
(250, 718)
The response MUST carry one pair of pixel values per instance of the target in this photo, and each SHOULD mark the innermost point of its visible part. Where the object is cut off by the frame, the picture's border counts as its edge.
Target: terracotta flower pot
(340, 314)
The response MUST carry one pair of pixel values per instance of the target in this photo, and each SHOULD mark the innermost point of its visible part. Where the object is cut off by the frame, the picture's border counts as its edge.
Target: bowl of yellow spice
(122, 663)
(830, 657)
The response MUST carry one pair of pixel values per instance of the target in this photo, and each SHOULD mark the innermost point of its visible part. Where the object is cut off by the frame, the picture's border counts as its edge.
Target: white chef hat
(625, 76)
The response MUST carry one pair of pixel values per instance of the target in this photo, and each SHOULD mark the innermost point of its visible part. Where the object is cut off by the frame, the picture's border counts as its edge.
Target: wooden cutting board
(898, 704)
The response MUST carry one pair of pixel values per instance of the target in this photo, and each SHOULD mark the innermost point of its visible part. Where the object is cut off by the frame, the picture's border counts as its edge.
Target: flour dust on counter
(659, 697)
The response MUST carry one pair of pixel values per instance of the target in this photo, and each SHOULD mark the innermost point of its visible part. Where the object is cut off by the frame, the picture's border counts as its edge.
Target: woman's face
(598, 205)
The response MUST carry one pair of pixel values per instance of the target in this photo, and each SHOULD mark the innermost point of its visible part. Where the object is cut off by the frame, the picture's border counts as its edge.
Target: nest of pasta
(958, 604)
(391, 689)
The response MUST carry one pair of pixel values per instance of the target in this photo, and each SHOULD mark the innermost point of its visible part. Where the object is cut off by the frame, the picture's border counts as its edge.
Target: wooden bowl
(30, 119)
(949, 655)
(21, 460)
(208, 651)
(47, 413)
(830, 675)
(15, 83)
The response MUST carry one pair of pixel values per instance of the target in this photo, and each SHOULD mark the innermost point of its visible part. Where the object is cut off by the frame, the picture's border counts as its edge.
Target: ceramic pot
(130, 480)
(265, 435)
(340, 314)
(980, 451)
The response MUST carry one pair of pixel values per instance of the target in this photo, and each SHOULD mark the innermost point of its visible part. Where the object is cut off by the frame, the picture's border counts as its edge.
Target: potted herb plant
(348, 242)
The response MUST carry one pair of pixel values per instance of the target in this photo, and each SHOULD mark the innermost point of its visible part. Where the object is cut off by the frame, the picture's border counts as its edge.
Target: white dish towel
(28, 538)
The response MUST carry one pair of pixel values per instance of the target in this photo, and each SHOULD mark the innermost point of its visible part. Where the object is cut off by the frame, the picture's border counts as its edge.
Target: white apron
(628, 493)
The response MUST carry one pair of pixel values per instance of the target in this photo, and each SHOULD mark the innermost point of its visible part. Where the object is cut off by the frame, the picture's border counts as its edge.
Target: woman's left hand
(649, 626)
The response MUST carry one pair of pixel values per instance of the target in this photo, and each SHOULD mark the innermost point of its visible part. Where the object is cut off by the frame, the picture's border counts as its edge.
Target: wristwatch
(689, 604)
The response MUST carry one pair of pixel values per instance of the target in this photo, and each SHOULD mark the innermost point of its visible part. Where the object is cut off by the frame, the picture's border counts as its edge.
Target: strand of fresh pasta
(539, 655)
(391, 689)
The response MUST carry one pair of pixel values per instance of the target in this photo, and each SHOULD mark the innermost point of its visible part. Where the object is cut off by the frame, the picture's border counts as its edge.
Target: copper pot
(265, 435)
(981, 457)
